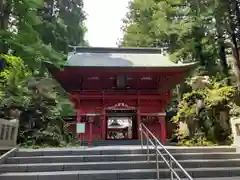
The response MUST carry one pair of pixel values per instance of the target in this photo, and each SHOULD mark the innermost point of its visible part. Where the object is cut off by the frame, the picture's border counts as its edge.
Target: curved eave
(188, 66)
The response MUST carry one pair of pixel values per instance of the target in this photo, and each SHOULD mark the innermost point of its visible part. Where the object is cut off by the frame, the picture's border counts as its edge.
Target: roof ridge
(137, 50)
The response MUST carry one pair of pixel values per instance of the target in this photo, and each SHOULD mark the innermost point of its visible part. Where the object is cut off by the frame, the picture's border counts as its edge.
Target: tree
(24, 98)
(194, 31)
(184, 29)
(39, 30)
(18, 35)
(33, 31)
(62, 24)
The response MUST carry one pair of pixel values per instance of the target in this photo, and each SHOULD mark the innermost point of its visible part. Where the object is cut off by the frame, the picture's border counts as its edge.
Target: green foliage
(187, 30)
(33, 31)
(196, 141)
(39, 113)
(12, 65)
(201, 110)
(219, 96)
(187, 107)
(13, 90)
(234, 110)
(40, 30)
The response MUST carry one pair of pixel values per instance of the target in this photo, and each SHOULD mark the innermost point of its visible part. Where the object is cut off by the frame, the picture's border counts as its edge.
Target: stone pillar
(235, 126)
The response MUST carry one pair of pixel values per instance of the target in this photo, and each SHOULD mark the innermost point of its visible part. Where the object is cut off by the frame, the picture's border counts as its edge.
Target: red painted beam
(121, 97)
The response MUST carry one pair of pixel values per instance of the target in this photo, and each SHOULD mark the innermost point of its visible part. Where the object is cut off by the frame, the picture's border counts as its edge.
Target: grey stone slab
(99, 158)
(13, 168)
(95, 166)
(113, 152)
(12, 161)
(137, 174)
(62, 159)
(76, 167)
(18, 176)
(56, 153)
(86, 152)
(98, 175)
(189, 156)
(45, 167)
(47, 159)
(147, 165)
(41, 167)
(58, 177)
(133, 157)
(219, 178)
(211, 172)
(208, 163)
(201, 150)
(107, 166)
(29, 160)
(28, 153)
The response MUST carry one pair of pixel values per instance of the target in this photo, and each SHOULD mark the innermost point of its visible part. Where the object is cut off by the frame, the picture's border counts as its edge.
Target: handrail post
(150, 138)
(141, 135)
(170, 163)
(157, 163)
(148, 159)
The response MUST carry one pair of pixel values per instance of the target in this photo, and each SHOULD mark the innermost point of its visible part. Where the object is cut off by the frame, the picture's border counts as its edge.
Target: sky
(104, 21)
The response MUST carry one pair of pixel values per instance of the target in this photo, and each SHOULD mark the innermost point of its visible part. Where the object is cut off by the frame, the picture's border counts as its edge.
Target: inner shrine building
(116, 89)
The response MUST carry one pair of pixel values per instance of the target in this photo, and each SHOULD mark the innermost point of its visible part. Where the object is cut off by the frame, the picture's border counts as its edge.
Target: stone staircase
(120, 143)
(118, 162)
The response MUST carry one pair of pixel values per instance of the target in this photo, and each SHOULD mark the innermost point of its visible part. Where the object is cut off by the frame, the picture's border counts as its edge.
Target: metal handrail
(173, 174)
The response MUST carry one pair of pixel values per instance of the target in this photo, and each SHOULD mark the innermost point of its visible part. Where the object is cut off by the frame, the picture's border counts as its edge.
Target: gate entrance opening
(121, 124)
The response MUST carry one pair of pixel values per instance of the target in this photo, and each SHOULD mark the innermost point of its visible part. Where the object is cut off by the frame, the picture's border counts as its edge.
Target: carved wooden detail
(121, 106)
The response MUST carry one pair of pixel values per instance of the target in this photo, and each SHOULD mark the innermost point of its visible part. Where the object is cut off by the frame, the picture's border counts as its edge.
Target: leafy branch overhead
(194, 31)
(35, 102)
(187, 30)
(31, 32)
(38, 30)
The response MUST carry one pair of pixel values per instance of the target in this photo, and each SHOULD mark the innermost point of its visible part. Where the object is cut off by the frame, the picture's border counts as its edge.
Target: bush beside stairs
(118, 162)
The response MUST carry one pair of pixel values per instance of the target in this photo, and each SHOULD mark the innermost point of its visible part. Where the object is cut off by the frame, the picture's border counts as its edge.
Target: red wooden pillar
(138, 123)
(78, 121)
(103, 126)
(162, 129)
(138, 115)
(90, 121)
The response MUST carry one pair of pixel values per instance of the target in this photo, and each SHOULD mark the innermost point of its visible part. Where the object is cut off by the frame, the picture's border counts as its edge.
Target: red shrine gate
(148, 109)
(105, 83)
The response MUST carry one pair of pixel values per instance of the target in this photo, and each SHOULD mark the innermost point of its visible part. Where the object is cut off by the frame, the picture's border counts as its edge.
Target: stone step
(117, 150)
(120, 174)
(46, 167)
(120, 143)
(219, 178)
(120, 157)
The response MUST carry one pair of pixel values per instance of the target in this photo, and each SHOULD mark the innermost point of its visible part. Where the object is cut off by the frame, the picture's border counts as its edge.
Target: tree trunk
(222, 54)
(5, 11)
(235, 48)
(235, 8)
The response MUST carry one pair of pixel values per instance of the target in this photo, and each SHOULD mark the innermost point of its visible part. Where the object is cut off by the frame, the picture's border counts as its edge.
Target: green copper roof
(120, 57)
